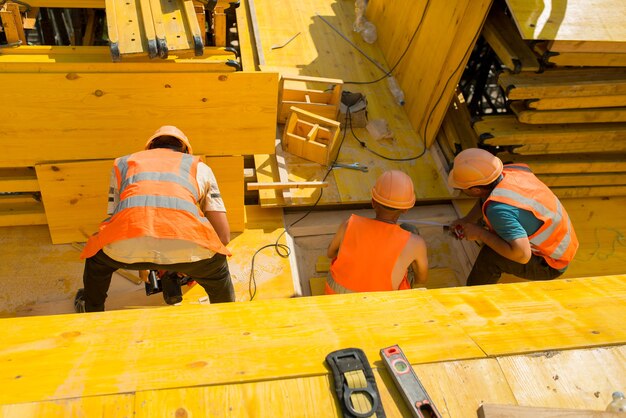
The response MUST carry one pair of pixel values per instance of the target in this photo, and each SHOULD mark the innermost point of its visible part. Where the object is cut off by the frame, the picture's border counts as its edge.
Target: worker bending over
(371, 255)
(529, 233)
(166, 213)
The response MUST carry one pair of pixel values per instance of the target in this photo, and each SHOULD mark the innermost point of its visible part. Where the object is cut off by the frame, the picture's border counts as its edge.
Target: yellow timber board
(525, 317)
(319, 51)
(67, 356)
(104, 115)
(570, 20)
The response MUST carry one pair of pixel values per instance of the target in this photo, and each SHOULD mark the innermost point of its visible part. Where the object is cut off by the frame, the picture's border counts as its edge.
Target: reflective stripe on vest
(164, 202)
(556, 228)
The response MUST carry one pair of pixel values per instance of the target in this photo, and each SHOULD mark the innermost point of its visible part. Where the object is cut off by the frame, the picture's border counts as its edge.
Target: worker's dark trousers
(212, 274)
(490, 265)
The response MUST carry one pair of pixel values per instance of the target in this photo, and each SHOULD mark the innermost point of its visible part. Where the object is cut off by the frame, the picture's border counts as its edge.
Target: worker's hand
(143, 275)
(472, 232)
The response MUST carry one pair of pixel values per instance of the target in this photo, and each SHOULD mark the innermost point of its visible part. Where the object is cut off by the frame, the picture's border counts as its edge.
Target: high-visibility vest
(158, 198)
(369, 251)
(555, 240)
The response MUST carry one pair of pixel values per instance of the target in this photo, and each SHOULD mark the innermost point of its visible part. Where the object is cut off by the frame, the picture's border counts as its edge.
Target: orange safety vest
(555, 240)
(369, 251)
(158, 198)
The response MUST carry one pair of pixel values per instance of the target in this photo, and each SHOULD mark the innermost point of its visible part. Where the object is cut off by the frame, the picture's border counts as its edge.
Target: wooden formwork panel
(75, 195)
(56, 117)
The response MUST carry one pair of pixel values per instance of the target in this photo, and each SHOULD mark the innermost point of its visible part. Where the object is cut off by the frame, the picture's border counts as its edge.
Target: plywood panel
(113, 406)
(97, 116)
(583, 379)
(221, 343)
(524, 317)
(570, 20)
(229, 174)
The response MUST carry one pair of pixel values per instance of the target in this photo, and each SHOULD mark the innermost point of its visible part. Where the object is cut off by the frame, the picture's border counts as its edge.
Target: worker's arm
(420, 262)
(517, 250)
(220, 224)
(333, 248)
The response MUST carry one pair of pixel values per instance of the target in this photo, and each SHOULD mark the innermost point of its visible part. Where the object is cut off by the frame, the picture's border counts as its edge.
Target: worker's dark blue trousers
(212, 274)
(490, 265)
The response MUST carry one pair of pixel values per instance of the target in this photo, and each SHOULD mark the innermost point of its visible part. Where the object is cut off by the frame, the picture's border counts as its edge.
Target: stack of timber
(569, 111)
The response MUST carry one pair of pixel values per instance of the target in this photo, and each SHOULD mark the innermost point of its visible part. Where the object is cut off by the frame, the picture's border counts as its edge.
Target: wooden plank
(229, 174)
(23, 179)
(238, 334)
(553, 314)
(600, 115)
(63, 4)
(510, 411)
(587, 59)
(555, 379)
(572, 148)
(21, 210)
(587, 46)
(109, 109)
(577, 102)
(114, 406)
(564, 83)
(571, 163)
(595, 191)
(504, 38)
(287, 185)
(12, 23)
(583, 179)
(508, 130)
(571, 20)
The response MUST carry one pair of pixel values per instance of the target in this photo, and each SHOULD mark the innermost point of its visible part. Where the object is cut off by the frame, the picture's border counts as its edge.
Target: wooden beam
(118, 112)
(12, 23)
(68, 4)
(287, 185)
(600, 115)
(555, 103)
(515, 411)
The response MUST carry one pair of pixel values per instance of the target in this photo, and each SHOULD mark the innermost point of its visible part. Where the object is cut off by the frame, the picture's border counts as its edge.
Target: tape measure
(407, 382)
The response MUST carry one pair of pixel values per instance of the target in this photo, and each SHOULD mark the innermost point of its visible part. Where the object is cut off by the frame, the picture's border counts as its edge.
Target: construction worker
(166, 213)
(528, 232)
(371, 255)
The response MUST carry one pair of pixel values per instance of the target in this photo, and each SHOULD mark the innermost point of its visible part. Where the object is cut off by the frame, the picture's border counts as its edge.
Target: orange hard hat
(169, 130)
(474, 167)
(394, 189)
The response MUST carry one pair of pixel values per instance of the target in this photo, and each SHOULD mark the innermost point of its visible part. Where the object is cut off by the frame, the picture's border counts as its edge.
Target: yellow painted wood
(320, 52)
(21, 210)
(600, 115)
(525, 317)
(129, 27)
(583, 179)
(578, 102)
(508, 130)
(229, 174)
(590, 191)
(433, 64)
(504, 38)
(75, 198)
(572, 148)
(588, 59)
(85, 4)
(509, 411)
(578, 379)
(587, 46)
(97, 116)
(12, 23)
(225, 349)
(245, 38)
(317, 285)
(564, 83)
(114, 406)
(574, 163)
(22, 179)
(570, 20)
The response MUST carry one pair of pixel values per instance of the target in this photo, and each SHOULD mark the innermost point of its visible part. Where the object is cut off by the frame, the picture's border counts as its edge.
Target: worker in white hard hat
(377, 254)
(528, 231)
(165, 213)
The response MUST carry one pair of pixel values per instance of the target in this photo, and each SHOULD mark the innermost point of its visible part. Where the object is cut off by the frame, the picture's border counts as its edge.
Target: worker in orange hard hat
(165, 213)
(377, 254)
(528, 232)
